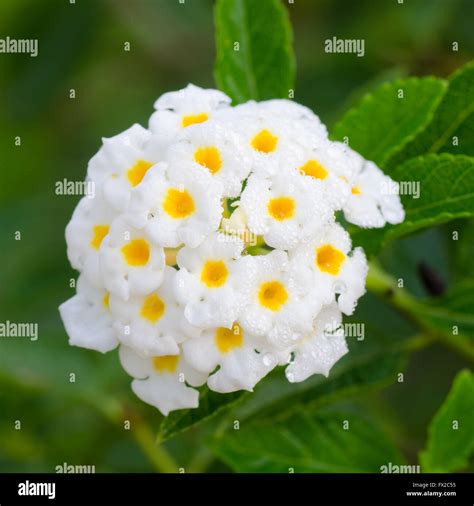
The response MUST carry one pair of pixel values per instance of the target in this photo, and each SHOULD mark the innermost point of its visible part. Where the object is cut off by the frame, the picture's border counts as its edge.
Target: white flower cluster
(211, 251)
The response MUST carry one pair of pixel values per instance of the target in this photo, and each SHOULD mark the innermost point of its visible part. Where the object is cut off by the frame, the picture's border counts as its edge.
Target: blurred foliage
(81, 48)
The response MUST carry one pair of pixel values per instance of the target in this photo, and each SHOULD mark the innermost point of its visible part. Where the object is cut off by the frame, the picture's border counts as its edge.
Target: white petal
(166, 393)
(241, 369)
(201, 353)
(87, 325)
(136, 366)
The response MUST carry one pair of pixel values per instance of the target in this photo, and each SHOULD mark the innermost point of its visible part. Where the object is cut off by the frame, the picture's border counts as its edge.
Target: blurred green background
(81, 47)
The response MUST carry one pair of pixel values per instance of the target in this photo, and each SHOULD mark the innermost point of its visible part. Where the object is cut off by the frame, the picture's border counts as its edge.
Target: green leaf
(263, 64)
(306, 442)
(383, 123)
(449, 448)
(210, 404)
(453, 118)
(357, 376)
(446, 184)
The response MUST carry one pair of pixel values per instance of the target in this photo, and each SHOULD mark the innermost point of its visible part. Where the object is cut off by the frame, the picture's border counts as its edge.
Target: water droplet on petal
(339, 286)
(268, 360)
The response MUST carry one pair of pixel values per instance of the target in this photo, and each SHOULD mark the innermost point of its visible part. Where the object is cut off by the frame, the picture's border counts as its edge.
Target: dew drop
(268, 360)
(339, 286)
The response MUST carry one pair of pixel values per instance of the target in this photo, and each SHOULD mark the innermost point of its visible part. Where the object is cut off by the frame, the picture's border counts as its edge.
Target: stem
(201, 460)
(385, 286)
(156, 453)
(115, 412)
(417, 342)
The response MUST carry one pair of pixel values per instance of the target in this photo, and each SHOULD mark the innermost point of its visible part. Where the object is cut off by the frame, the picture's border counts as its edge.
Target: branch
(385, 286)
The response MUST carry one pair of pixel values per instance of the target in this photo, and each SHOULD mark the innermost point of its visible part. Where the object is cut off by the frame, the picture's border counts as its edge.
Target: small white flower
(241, 366)
(291, 109)
(328, 166)
(152, 324)
(218, 149)
(284, 108)
(85, 232)
(206, 283)
(320, 350)
(370, 205)
(161, 381)
(177, 205)
(178, 110)
(333, 268)
(280, 109)
(272, 140)
(122, 162)
(130, 262)
(277, 305)
(87, 318)
(285, 209)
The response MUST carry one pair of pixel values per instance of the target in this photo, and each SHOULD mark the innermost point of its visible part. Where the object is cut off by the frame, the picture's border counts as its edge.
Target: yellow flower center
(281, 208)
(314, 169)
(329, 259)
(209, 157)
(272, 295)
(265, 141)
(166, 363)
(228, 339)
(136, 173)
(192, 119)
(356, 190)
(178, 204)
(136, 253)
(153, 308)
(106, 300)
(214, 273)
(99, 232)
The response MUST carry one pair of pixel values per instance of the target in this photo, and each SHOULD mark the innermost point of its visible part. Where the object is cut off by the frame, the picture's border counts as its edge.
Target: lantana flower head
(213, 250)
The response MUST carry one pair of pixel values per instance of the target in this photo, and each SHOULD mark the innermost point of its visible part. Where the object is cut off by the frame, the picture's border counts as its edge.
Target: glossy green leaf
(454, 118)
(446, 184)
(254, 49)
(360, 374)
(384, 121)
(451, 434)
(210, 404)
(307, 442)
